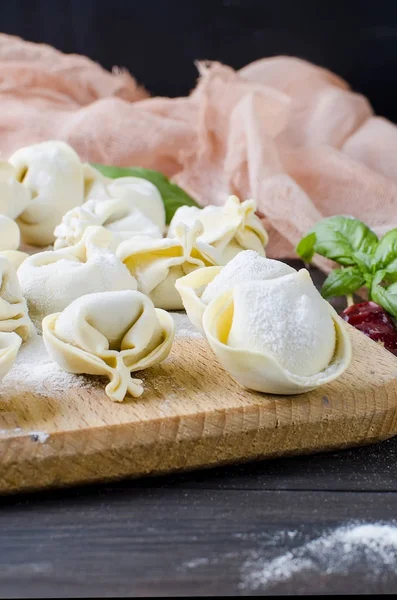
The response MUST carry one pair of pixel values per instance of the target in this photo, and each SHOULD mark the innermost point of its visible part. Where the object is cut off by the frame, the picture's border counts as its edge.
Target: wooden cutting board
(192, 415)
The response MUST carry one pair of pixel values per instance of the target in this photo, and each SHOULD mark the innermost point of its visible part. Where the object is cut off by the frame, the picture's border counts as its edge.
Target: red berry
(373, 321)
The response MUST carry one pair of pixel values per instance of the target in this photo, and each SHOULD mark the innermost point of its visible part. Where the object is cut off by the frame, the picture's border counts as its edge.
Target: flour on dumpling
(287, 318)
(246, 266)
(51, 280)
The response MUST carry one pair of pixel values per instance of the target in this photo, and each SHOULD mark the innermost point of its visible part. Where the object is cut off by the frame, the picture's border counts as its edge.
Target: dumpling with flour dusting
(200, 287)
(15, 325)
(112, 334)
(139, 193)
(278, 336)
(157, 264)
(119, 216)
(53, 175)
(51, 280)
(227, 229)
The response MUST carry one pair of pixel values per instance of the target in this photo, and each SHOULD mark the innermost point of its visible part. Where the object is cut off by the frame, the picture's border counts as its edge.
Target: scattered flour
(34, 370)
(184, 328)
(372, 546)
(39, 436)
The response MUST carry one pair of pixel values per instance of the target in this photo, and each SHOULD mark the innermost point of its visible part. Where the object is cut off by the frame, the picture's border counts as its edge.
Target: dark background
(158, 40)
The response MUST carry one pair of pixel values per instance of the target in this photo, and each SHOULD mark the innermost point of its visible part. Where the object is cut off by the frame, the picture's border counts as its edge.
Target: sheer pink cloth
(285, 132)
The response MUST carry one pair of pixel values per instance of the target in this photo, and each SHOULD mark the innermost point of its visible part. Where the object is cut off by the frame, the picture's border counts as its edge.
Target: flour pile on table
(373, 546)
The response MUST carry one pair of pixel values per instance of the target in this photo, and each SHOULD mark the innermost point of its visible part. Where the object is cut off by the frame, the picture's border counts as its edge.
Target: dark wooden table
(203, 533)
(195, 534)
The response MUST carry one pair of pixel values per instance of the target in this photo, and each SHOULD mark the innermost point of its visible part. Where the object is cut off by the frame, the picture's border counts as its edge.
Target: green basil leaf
(384, 295)
(173, 196)
(385, 256)
(305, 248)
(341, 282)
(345, 240)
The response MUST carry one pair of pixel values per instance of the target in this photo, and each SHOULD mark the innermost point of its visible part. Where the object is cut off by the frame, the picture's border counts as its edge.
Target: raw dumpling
(157, 264)
(227, 229)
(54, 175)
(199, 288)
(278, 336)
(13, 310)
(139, 193)
(119, 216)
(112, 334)
(16, 257)
(15, 325)
(51, 280)
(14, 197)
(9, 347)
(10, 236)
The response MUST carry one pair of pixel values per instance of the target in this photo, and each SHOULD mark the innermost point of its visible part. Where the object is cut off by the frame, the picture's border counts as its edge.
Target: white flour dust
(35, 371)
(370, 548)
(373, 546)
(184, 328)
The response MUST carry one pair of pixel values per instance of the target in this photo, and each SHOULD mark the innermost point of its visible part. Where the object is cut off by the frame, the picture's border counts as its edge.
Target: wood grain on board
(191, 415)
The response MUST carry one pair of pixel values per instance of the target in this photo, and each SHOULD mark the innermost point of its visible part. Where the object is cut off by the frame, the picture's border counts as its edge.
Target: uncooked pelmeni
(10, 235)
(139, 193)
(157, 264)
(199, 288)
(14, 197)
(13, 310)
(9, 347)
(16, 257)
(54, 176)
(278, 336)
(51, 280)
(119, 215)
(112, 334)
(227, 229)
(15, 325)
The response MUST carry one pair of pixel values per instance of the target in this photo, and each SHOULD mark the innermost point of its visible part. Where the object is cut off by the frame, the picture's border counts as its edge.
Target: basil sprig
(173, 196)
(364, 259)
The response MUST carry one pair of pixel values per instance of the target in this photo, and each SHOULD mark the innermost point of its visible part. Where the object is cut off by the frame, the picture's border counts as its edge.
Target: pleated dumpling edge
(111, 334)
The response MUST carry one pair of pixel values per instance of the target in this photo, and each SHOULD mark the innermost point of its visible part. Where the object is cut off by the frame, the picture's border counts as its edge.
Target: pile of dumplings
(101, 269)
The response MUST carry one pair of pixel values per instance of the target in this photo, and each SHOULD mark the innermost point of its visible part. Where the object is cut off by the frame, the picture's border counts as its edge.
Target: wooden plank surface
(192, 415)
(133, 539)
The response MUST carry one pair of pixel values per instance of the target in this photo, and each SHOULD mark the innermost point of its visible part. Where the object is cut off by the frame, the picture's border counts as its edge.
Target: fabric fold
(291, 135)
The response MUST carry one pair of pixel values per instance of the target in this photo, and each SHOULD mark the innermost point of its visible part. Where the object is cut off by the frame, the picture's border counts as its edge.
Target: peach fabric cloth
(283, 131)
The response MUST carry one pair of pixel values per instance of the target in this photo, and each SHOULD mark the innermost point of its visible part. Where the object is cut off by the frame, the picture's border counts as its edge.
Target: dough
(227, 230)
(119, 216)
(13, 310)
(112, 334)
(137, 192)
(15, 325)
(158, 264)
(14, 197)
(51, 280)
(278, 336)
(199, 288)
(54, 176)
(16, 257)
(10, 236)
(9, 347)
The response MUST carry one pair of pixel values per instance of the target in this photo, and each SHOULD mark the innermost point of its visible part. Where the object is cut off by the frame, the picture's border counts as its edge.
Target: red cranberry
(373, 321)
